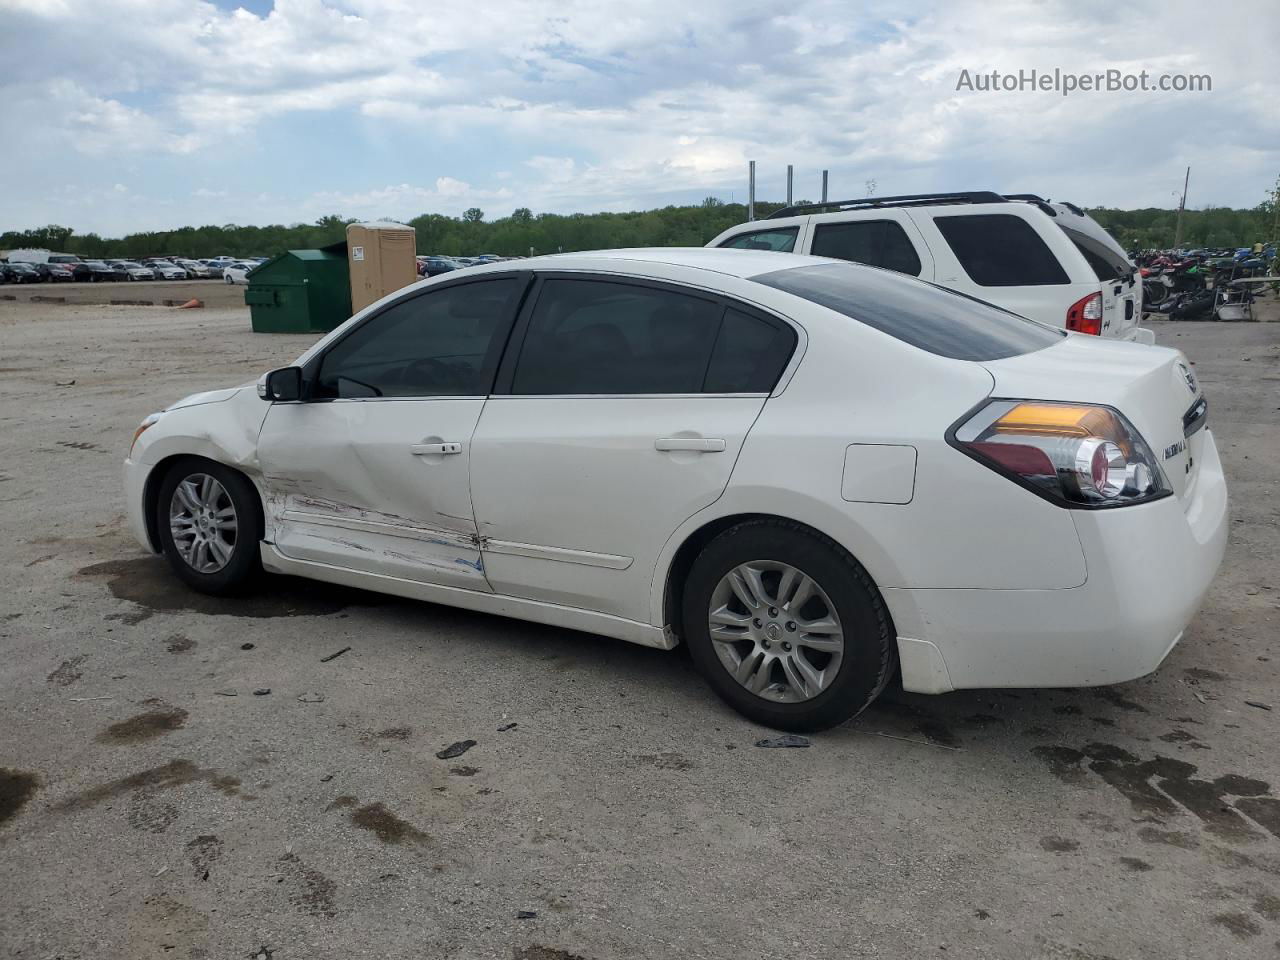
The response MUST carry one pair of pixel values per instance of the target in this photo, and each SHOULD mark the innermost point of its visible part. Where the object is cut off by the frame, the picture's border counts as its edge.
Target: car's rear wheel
(210, 525)
(786, 626)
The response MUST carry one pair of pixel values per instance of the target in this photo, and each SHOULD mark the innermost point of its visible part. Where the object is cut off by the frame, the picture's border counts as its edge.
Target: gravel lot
(145, 811)
(214, 293)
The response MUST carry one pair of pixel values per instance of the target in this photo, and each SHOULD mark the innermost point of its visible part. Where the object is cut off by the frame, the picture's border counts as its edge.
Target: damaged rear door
(370, 473)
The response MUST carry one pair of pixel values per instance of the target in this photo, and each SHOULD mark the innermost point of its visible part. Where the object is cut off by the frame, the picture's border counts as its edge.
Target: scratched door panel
(378, 486)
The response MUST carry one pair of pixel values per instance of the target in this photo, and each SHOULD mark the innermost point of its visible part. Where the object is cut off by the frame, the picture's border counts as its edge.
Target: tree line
(523, 232)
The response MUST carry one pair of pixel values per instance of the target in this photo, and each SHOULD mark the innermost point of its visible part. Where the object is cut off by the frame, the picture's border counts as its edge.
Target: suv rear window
(779, 239)
(880, 243)
(1000, 250)
(1106, 263)
(932, 318)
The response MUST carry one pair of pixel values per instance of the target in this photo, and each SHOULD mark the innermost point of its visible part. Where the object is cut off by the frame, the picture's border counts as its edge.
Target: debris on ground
(1259, 704)
(526, 914)
(262, 691)
(334, 656)
(311, 698)
(508, 726)
(455, 749)
(246, 646)
(787, 740)
(326, 778)
(226, 693)
(64, 383)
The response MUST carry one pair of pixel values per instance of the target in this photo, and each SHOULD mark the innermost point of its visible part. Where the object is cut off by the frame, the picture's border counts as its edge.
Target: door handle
(428, 449)
(698, 444)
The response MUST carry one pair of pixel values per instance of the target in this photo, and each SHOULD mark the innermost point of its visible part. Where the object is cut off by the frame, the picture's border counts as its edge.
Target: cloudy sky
(119, 115)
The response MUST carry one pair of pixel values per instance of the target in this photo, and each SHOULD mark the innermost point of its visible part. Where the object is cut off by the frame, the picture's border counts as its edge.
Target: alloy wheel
(203, 522)
(776, 631)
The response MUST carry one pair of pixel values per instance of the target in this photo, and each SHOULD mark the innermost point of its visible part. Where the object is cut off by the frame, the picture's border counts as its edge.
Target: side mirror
(281, 385)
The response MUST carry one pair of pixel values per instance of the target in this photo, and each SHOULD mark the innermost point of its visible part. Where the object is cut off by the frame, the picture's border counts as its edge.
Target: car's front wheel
(786, 626)
(210, 525)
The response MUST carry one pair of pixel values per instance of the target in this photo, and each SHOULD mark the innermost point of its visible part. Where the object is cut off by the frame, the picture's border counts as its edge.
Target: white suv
(1051, 262)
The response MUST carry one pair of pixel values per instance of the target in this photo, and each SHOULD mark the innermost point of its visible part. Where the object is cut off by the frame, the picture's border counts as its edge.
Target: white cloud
(580, 106)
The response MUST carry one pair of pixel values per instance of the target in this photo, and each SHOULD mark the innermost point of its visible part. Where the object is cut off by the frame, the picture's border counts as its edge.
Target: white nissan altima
(812, 472)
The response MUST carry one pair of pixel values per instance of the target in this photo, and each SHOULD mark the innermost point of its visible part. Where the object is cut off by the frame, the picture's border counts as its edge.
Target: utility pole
(1177, 231)
(790, 180)
(824, 185)
(751, 190)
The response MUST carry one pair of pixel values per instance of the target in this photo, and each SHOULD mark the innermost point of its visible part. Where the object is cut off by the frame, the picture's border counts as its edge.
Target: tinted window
(1106, 262)
(1000, 250)
(921, 314)
(597, 336)
(881, 243)
(436, 344)
(780, 239)
(749, 355)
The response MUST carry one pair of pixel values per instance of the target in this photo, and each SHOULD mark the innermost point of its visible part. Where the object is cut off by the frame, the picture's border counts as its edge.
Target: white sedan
(168, 271)
(812, 472)
(237, 272)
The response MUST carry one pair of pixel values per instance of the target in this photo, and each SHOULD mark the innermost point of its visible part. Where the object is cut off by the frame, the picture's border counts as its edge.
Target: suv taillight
(1085, 316)
(1075, 454)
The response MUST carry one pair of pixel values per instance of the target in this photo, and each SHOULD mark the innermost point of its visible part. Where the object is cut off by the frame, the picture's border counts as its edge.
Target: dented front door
(375, 485)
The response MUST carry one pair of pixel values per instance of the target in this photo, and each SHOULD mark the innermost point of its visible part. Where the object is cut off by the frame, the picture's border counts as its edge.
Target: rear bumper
(1143, 335)
(1149, 568)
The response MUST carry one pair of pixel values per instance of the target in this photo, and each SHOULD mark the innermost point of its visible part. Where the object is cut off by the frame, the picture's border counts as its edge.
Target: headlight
(1076, 454)
(143, 427)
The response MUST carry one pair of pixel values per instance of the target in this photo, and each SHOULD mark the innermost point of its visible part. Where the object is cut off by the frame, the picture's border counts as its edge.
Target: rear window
(1000, 250)
(779, 239)
(1106, 263)
(880, 243)
(932, 318)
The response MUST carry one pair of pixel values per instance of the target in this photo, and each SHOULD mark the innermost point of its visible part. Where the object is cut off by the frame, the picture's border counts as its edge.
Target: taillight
(1085, 316)
(1076, 454)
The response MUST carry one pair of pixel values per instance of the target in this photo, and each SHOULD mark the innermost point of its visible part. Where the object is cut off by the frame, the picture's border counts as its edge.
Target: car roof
(734, 263)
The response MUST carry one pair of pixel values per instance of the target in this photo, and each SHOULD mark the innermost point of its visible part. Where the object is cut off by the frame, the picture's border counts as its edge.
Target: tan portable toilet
(382, 256)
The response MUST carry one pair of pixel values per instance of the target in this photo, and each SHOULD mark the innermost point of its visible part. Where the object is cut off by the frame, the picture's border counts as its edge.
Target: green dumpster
(300, 291)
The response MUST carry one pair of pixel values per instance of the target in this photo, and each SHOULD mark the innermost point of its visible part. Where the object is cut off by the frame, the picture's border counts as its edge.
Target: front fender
(223, 430)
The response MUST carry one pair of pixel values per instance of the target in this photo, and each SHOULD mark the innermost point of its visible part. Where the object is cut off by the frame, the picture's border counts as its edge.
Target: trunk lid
(1155, 388)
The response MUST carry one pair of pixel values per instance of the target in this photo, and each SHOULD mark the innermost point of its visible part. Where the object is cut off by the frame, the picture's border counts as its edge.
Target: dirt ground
(153, 804)
(215, 294)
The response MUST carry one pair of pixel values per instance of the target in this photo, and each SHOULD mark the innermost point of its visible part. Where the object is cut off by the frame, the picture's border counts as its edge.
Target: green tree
(473, 215)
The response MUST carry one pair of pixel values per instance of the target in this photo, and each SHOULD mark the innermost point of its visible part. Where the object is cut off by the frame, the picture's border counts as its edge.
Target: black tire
(245, 563)
(870, 647)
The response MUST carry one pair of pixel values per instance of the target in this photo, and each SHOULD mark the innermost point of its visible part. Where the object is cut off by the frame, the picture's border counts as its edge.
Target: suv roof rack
(915, 200)
(906, 200)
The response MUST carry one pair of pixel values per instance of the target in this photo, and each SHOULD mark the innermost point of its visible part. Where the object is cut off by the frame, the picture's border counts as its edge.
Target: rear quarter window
(932, 318)
(880, 243)
(779, 239)
(1000, 250)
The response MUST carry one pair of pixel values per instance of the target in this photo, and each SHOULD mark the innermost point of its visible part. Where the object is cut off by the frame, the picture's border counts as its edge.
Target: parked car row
(432, 265)
(28, 267)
